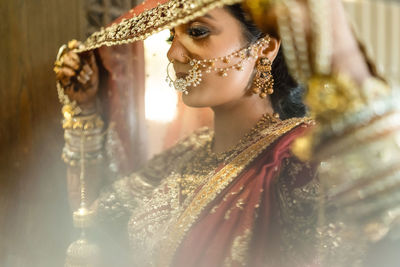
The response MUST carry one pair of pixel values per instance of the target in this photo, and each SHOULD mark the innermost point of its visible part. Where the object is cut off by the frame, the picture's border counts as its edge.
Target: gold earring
(263, 82)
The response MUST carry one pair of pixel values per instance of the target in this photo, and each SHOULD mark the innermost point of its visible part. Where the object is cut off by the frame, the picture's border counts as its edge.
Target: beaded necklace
(204, 161)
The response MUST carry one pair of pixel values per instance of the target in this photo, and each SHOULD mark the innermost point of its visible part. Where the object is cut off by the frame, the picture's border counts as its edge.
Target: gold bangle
(82, 122)
(75, 159)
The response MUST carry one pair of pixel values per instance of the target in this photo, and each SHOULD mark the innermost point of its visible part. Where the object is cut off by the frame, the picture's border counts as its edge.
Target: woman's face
(214, 35)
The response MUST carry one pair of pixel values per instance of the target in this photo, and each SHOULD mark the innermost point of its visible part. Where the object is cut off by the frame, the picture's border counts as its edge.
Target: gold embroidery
(205, 161)
(298, 214)
(239, 204)
(148, 224)
(239, 250)
(214, 209)
(217, 183)
(227, 214)
(233, 193)
(119, 199)
(164, 16)
(295, 169)
(150, 227)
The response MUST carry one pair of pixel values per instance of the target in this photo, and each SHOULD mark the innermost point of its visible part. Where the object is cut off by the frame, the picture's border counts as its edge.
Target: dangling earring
(263, 82)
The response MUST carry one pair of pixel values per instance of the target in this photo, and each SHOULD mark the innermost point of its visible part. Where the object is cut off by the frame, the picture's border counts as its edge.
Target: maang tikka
(263, 80)
(194, 76)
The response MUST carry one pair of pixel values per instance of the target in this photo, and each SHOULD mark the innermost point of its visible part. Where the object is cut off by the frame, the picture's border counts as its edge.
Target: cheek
(216, 90)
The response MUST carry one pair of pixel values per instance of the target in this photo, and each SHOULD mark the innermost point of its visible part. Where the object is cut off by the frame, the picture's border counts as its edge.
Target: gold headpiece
(150, 18)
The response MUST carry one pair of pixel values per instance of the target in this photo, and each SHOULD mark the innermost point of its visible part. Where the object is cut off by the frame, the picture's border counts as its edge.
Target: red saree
(240, 227)
(257, 209)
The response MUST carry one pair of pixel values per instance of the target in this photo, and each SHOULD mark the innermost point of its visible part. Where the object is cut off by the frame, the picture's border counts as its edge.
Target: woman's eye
(170, 39)
(194, 32)
(198, 32)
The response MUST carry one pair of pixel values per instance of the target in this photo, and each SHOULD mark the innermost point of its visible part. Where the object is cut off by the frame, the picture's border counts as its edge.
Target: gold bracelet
(88, 129)
(84, 123)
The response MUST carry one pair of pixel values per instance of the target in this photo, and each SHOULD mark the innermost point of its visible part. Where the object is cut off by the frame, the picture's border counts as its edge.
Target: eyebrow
(209, 16)
(205, 16)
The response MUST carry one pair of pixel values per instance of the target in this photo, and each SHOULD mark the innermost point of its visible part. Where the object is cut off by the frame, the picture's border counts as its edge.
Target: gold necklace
(204, 161)
(252, 136)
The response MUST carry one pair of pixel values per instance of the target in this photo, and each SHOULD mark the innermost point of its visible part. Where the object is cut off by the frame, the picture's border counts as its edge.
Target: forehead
(217, 16)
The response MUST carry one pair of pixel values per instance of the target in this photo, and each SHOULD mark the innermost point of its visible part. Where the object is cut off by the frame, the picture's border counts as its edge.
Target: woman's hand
(79, 76)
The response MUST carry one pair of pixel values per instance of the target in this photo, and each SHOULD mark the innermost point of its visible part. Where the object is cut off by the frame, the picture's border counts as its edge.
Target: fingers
(64, 75)
(92, 61)
(85, 74)
(73, 44)
(69, 66)
(66, 67)
(90, 69)
(71, 60)
(78, 75)
(87, 69)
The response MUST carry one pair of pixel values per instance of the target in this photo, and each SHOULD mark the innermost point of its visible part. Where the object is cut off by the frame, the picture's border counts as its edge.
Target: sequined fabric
(167, 197)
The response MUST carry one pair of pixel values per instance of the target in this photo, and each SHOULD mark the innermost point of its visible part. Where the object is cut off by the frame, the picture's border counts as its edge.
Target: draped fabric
(256, 208)
(122, 89)
(122, 96)
(244, 224)
(241, 227)
(120, 52)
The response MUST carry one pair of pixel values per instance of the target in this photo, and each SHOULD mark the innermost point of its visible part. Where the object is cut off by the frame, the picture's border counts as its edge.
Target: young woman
(235, 195)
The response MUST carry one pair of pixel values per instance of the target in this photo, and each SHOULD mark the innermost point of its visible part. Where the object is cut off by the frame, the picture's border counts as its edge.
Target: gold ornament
(331, 96)
(194, 77)
(86, 123)
(264, 81)
(82, 253)
(302, 147)
(70, 108)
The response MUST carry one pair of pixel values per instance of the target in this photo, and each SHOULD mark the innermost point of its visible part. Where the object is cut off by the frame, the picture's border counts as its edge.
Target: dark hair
(287, 99)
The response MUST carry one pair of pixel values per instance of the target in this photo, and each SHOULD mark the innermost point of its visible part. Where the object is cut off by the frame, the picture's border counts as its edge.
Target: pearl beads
(209, 65)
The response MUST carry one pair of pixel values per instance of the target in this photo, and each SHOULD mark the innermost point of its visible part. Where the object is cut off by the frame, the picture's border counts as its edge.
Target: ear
(271, 50)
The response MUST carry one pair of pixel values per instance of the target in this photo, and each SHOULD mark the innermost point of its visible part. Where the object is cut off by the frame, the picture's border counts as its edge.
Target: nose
(177, 52)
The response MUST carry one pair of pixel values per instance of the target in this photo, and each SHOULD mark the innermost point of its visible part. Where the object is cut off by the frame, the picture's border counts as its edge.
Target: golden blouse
(153, 198)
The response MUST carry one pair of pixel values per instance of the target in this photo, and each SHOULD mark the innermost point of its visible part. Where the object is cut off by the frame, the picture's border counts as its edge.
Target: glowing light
(67, 115)
(82, 211)
(160, 99)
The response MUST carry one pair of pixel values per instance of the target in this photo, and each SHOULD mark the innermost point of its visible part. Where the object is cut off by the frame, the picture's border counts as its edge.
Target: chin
(195, 98)
(192, 101)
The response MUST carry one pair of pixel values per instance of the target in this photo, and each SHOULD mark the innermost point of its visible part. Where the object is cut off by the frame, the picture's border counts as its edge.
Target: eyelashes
(170, 38)
(198, 32)
(195, 32)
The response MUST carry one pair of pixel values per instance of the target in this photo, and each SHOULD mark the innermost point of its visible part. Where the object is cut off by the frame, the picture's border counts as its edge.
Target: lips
(181, 75)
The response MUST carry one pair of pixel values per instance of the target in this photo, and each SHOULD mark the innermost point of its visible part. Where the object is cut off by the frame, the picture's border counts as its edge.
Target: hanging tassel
(82, 253)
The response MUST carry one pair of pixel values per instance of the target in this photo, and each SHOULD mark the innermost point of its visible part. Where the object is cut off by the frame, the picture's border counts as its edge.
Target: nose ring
(169, 78)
